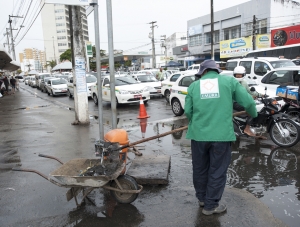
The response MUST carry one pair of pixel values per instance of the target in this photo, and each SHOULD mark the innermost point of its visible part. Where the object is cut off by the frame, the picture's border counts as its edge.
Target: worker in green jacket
(208, 106)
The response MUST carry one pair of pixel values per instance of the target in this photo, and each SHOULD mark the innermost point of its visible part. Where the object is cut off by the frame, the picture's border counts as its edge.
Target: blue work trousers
(210, 164)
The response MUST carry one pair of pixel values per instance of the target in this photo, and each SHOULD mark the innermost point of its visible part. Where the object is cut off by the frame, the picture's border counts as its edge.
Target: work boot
(201, 204)
(219, 209)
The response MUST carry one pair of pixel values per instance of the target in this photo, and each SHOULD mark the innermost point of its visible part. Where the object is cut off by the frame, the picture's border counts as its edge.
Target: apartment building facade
(56, 29)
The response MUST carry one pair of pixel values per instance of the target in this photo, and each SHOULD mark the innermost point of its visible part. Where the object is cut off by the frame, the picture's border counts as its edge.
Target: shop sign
(263, 41)
(285, 36)
(235, 47)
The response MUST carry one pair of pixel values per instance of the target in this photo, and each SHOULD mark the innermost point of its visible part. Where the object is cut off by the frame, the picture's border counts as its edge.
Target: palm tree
(51, 63)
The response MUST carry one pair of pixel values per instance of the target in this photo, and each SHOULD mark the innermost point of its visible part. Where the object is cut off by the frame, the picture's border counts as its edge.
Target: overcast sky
(130, 21)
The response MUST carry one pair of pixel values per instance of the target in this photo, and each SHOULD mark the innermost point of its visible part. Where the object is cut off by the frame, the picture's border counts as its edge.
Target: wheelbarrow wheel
(127, 183)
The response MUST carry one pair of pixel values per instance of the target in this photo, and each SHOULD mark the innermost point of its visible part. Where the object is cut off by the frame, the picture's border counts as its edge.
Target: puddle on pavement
(9, 158)
(269, 172)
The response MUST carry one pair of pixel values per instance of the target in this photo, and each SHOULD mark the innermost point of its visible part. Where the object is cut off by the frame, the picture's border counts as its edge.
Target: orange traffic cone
(143, 113)
(143, 124)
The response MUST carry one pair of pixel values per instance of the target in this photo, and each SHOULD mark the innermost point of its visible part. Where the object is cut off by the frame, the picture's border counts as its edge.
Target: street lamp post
(54, 49)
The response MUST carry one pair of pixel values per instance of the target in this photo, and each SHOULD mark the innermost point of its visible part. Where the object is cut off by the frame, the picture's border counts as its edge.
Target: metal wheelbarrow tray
(68, 176)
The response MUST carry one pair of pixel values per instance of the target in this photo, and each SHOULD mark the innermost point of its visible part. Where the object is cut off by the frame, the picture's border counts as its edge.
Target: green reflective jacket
(208, 106)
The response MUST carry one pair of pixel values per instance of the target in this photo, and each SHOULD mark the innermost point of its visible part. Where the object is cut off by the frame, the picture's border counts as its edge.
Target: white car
(179, 91)
(127, 90)
(167, 84)
(149, 81)
(39, 78)
(32, 81)
(57, 86)
(91, 80)
(280, 76)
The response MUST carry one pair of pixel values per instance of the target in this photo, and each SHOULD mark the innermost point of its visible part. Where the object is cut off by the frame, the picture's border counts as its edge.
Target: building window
(207, 38)
(262, 26)
(183, 38)
(59, 10)
(62, 44)
(61, 37)
(216, 36)
(232, 33)
(195, 40)
(59, 17)
(60, 24)
(61, 31)
(61, 50)
(249, 28)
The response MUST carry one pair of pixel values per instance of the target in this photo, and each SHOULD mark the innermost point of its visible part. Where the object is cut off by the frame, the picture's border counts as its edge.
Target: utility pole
(12, 38)
(212, 29)
(153, 45)
(254, 33)
(54, 49)
(79, 78)
(98, 65)
(113, 100)
(163, 44)
(7, 33)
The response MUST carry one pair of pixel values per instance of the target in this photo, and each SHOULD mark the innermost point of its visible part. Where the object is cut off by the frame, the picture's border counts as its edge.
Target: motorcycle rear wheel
(294, 114)
(290, 130)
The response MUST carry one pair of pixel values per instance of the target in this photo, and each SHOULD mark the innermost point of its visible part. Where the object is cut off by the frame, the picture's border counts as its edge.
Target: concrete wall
(284, 13)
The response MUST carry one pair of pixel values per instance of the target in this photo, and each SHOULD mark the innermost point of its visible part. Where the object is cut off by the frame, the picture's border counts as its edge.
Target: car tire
(52, 93)
(146, 102)
(48, 93)
(167, 95)
(95, 99)
(176, 107)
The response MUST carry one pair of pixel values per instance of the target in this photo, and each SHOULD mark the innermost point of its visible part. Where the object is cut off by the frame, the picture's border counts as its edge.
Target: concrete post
(79, 77)
(111, 63)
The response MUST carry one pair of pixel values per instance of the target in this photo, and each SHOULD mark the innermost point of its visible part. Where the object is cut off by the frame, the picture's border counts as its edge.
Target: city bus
(289, 52)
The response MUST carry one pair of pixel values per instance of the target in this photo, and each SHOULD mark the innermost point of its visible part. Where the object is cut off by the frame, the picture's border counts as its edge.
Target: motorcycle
(283, 131)
(291, 108)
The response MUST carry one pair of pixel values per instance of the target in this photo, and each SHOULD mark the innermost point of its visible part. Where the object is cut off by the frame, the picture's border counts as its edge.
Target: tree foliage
(93, 66)
(67, 55)
(52, 64)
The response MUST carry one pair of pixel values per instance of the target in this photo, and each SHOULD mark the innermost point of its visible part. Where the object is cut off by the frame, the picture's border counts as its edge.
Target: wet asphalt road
(269, 173)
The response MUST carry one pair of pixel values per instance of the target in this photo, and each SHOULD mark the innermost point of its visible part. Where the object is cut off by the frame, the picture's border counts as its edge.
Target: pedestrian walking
(13, 84)
(17, 84)
(6, 83)
(208, 106)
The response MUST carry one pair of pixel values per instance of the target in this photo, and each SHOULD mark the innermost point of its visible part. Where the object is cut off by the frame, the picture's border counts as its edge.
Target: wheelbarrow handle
(51, 157)
(168, 133)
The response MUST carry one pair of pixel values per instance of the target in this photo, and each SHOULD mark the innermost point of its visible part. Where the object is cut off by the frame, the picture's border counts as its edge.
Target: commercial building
(233, 28)
(56, 29)
(176, 39)
(32, 58)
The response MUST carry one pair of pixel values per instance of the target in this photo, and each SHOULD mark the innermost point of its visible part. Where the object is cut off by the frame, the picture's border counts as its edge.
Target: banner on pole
(88, 49)
(80, 74)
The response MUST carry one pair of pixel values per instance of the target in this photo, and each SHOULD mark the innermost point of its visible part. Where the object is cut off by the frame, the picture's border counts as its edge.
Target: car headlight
(123, 92)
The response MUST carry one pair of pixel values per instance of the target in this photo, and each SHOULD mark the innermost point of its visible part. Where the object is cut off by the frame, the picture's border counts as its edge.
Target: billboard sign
(69, 2)
(235, 47)
(263, 41)
(195, 30)
(285, 36)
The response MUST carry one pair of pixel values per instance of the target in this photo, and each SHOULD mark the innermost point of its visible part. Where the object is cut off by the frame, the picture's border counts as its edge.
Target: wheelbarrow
(88, 174)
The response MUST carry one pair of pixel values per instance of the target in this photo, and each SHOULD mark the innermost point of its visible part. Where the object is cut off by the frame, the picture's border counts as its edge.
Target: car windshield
(47, 78)
(125, 81)
(59, 81)
(146, 78)
(91, 79)
(280, 64)
(44, 75)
